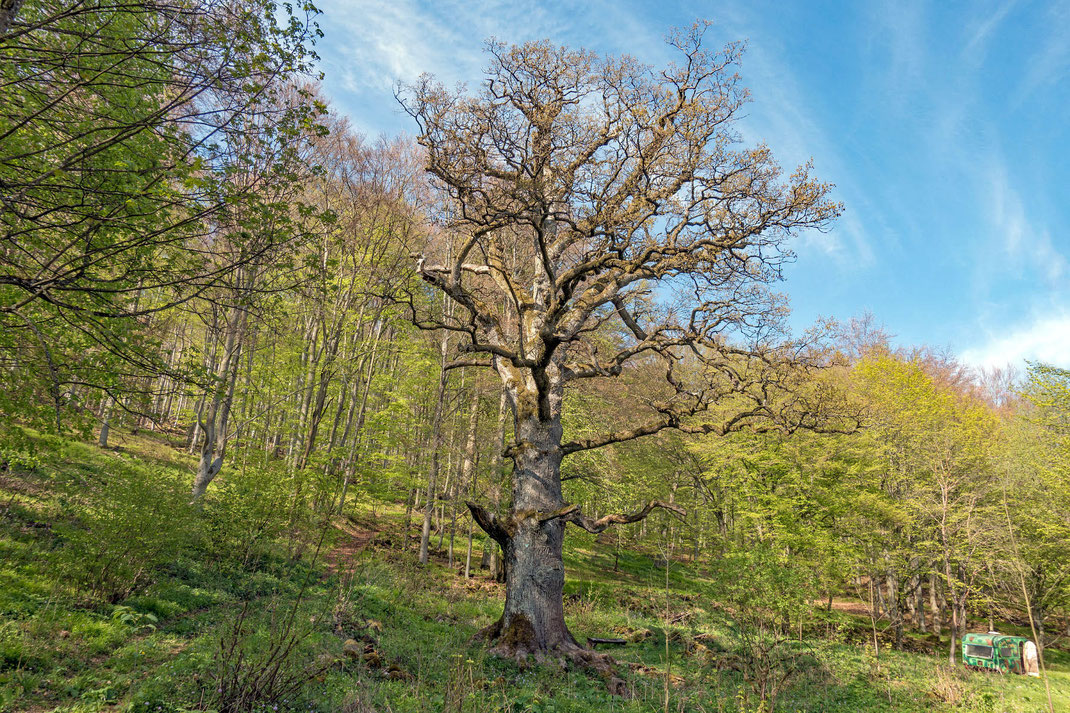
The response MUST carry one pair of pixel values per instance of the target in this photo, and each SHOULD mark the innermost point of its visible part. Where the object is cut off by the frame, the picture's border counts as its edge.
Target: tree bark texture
(531, 536)
(533, 621)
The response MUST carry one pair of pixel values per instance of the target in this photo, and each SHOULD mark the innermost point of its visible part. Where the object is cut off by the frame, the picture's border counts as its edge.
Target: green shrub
(18, 459)
(184, 597)
(264, 661)
(136, 620)
(126, 524)
(766, 599)
(247, 510)
(97, 635)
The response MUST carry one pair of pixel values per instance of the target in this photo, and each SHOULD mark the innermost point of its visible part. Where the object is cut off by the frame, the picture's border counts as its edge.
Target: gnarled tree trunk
(532, 536)
(533, 621)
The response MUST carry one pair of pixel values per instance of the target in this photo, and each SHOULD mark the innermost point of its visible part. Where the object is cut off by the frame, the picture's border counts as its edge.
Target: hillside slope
(116, 595)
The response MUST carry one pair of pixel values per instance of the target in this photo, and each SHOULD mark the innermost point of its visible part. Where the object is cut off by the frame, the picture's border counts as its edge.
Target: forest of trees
(555, 304)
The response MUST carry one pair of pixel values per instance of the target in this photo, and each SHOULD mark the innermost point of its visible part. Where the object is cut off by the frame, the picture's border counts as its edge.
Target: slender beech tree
(118, 160)
(600, 215)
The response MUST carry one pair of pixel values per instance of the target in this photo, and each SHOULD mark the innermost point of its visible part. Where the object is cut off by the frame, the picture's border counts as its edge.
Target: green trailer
(999, 652)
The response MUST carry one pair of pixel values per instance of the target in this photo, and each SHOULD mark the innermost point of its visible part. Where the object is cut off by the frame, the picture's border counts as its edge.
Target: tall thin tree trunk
(491, 551)
(212, 347)
(919, 601)
(310, 359)
(894, 610)
(468, 469)
(436, 447)
(349, 467)
(447, 489)
(954, 627)
(105, 426)
(453, 521)
(934, 603)
(410, 504)
(884, 610)
(214, 423)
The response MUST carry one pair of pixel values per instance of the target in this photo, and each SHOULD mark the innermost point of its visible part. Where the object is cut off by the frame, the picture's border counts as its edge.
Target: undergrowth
(116, 595)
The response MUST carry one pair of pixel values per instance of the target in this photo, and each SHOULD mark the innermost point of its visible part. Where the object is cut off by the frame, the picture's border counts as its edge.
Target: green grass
(68, 646)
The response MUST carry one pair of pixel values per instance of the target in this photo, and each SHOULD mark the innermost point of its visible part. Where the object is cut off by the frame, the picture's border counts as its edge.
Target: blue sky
(944, 125)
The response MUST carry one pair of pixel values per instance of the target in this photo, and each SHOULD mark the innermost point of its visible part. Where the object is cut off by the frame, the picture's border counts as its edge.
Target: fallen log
(593, 642)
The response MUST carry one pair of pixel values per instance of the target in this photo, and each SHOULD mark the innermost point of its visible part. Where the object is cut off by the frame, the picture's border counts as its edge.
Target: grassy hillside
(115, 595)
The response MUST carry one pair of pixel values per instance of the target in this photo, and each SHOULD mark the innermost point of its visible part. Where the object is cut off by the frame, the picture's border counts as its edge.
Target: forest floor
(352, 540)
(355, 624)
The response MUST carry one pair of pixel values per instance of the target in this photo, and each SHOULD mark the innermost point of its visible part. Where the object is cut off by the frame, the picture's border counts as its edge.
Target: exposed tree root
(518, 642)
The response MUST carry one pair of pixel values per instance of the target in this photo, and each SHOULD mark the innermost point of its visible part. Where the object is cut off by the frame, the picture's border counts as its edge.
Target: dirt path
(343, 556)
(849, 606)
(855, 607)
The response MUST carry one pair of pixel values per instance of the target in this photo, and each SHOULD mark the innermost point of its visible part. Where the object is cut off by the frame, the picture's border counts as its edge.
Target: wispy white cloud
(1023, 273)
(1026, 249)
(786, 119)
(899, 30)
(981, 31)
(372, 45)
(1050, 63)
(376, 43)
(1045, 338)
(951, 229)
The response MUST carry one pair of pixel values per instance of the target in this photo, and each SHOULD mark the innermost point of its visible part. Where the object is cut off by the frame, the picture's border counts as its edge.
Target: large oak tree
(601, 217)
